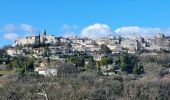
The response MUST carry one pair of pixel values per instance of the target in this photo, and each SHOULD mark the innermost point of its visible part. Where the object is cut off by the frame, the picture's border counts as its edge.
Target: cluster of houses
(69, 46)
(116, 45)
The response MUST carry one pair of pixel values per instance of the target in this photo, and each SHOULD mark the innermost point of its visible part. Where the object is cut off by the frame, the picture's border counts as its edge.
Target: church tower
(43, 36)
(44, 33)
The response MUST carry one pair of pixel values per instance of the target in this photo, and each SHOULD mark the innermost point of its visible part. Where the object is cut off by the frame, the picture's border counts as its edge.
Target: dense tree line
(21, 64)
(85, 86)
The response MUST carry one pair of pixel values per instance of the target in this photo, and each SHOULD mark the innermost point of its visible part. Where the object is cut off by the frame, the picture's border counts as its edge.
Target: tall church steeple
(43, 36)
(44, 33)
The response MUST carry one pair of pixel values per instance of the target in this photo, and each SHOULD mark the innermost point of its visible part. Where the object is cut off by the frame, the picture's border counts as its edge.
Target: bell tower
(43, 36)
(44, 33)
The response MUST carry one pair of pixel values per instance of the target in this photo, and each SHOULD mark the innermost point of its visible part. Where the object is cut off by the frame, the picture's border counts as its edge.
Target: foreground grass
(7, 72)
(4, 80)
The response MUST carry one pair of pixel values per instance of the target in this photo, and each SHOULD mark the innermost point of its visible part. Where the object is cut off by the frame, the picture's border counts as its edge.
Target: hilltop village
(113, 68)
(49, 47)
(61, 45)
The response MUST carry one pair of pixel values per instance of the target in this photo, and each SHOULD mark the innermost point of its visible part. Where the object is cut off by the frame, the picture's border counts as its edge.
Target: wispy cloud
(27, 28)
(8, 28)
(143, 31)
(10, 36)
(96, 31)
(11, 31)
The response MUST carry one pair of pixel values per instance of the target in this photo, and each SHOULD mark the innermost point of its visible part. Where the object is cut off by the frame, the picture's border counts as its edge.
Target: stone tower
(43, 36)
(44, 33)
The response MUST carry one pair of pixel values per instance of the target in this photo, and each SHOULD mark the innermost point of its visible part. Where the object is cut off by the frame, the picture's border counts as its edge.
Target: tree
(128, 62)
(68, 46)
(65, 69)
(105, 49)
(91, 64)
(78, 61)
(46, 51)
(2, 53)
(106, 60)
(4, 57)
(138, 70)
(39, 40)
(29, 65)
(21, 65)
(163, 59)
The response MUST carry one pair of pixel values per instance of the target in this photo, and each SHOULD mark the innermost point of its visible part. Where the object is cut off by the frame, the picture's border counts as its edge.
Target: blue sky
(62, 17)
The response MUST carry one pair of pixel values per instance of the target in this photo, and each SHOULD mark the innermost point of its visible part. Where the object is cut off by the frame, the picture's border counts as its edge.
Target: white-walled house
(27, 40)
(88, 41)
(95, 48)
(79, 48)
(46, 71)
(51, 39)
(131, 45)
(102, 41)
(112, 47)
(31, 40)
(14, 51)
(98, 57)
(64, 40)
(78, 40)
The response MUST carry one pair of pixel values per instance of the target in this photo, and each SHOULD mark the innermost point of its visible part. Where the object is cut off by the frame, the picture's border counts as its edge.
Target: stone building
(131, 45)
(161, 40)
(35, 40)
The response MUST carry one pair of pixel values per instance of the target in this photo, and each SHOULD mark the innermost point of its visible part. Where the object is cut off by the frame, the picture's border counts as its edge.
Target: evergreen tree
(39, 40)
(128, 62)
(105, 49)
(91, 65)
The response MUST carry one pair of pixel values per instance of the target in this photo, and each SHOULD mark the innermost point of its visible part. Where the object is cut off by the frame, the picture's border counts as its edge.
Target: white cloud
(143, 31)
(8, 28)
(21, 27)
(12, 31)
(96, 31)
(27, 28)
(11, 36)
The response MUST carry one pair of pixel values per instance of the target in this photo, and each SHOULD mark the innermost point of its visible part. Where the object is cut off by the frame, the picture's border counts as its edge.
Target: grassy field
(4, 80)
(7, 72)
